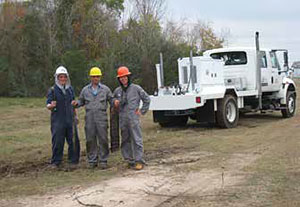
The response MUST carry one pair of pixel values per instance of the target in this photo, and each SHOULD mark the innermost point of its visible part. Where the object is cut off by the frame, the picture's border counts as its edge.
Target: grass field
(25, 151)
(272, 179)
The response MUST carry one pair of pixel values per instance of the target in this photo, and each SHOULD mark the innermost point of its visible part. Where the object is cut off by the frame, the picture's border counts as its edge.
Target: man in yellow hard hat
(127, 98)
(95, 97)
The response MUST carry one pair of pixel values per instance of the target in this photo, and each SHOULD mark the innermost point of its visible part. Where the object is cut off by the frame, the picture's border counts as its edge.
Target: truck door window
(185, 74)
(231, 58)
(274, 60)
(263, 59)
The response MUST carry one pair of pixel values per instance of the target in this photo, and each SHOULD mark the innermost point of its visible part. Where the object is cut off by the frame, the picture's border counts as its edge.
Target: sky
(278, 21)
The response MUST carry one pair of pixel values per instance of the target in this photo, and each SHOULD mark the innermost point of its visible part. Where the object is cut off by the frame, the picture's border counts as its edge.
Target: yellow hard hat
(95, 71)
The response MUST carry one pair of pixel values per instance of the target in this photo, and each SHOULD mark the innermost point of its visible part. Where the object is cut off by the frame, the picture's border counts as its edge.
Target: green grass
(25, 102)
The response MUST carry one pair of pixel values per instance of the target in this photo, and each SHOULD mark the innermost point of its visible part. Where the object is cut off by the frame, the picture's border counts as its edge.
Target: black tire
(182, 121)
(179, 121)
(290, 107)
(227, 115)
(166, 124)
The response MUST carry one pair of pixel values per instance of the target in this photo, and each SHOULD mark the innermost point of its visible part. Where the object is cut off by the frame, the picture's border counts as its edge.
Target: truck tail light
(198, 99)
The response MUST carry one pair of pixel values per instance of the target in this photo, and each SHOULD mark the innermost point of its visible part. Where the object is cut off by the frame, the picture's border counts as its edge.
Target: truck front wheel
(290, 107)
(227, 112)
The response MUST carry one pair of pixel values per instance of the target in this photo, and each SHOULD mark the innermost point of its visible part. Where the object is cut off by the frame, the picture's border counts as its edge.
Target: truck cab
(240, 68)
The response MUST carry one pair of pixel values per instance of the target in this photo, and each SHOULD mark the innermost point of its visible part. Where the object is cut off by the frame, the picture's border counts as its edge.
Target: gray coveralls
(132, 142)
(96, 124)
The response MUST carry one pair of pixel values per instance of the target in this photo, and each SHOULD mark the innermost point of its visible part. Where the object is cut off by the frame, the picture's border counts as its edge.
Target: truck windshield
(231, 58)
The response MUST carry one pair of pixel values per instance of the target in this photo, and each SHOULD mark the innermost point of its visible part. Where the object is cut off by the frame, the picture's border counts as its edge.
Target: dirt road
(232, 167)
(160, 184)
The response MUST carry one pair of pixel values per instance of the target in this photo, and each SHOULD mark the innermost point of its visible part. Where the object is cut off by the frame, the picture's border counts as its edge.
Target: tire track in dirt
(157, 185)
(211, 183)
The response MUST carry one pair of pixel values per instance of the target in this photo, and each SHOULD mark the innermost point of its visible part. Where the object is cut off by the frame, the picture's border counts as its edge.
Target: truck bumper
(177, 102)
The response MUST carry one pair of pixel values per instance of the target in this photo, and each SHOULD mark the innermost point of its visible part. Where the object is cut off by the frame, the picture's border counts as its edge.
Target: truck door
(266, 72)
(275, 68)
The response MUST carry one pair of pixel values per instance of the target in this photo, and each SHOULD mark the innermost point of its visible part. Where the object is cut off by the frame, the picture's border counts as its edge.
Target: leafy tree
(4, 76)
(76, 63)
(12, 48)
(37, 52)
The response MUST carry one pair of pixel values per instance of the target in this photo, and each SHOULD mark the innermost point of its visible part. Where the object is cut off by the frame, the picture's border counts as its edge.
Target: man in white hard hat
(95, 97)
(59, 101)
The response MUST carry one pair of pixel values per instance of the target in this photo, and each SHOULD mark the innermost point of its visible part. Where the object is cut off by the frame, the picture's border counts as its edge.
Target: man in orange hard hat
(127, 99)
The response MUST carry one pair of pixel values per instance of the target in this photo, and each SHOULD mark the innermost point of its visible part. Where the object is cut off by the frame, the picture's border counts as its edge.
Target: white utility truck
(223, 83)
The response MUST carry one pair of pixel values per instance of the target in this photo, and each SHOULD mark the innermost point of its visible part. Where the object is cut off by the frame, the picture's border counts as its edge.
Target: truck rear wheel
(290, 107)
(228, 112)
(179, 121)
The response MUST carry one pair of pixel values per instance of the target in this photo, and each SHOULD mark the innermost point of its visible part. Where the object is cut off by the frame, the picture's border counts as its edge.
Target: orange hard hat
(123, 71)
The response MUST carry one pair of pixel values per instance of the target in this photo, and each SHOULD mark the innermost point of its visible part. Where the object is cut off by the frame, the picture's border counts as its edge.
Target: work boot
(131, 165)
(103, 165)
(139, 166)
(92, 165)
(72, 166)
(54, 166)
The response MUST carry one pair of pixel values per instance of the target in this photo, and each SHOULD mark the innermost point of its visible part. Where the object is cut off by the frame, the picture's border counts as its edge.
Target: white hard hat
(61, 70)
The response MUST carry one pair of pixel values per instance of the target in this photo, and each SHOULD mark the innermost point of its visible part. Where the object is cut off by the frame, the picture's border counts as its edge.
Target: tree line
(36, 36)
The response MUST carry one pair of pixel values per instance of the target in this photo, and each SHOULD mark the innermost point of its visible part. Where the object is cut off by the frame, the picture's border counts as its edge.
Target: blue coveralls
(62, 126)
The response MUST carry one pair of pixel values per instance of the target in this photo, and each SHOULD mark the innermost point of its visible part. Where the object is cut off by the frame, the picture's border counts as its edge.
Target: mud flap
(114, 130)
(206, 113)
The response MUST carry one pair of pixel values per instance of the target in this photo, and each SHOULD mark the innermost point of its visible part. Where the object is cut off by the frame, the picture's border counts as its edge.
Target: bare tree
(174, 32)
(149, 8)
(202, 36)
